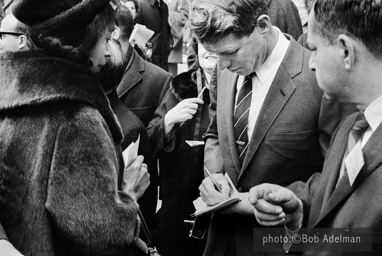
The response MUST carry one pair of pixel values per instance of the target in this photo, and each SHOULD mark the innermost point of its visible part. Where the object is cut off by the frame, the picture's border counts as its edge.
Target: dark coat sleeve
(155, 129)
(83, 180)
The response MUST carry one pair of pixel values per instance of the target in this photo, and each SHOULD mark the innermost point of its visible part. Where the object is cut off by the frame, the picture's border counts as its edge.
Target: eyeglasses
(9, 33)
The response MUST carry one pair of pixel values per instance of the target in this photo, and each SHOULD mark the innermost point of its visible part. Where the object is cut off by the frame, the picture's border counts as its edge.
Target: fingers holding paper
(276, 205)
(210, 194)
(136, 178)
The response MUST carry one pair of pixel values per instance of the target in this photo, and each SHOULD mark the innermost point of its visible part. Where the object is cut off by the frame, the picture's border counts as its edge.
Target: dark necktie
(243, 105)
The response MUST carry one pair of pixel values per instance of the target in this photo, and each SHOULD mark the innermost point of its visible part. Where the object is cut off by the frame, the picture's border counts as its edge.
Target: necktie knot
(361, 124)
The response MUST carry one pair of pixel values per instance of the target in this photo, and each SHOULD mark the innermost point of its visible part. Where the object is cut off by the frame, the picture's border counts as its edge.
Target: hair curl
(214, 19)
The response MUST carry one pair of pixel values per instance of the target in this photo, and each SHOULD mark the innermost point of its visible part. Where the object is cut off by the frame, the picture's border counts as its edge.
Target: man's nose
(223, 62)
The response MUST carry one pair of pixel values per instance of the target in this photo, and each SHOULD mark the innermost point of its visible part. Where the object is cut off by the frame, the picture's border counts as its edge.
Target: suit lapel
(132, 74)
(372, 157)
(331, 170)
(280, 91)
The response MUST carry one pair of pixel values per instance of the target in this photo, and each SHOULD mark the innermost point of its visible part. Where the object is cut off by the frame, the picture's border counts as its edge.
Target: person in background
(154, 15)
(143, 84)
(178, 20)
(60, 155)
(269, 119)
(14, 35)
(346, 40)
(132, 128)
(182, 116)
(132, 5)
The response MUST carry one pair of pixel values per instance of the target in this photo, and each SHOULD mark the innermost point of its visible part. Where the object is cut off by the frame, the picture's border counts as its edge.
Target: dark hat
(54, 15)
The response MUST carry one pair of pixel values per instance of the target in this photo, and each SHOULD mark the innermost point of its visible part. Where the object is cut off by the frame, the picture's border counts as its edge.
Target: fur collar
(184, 85)
(33, 78)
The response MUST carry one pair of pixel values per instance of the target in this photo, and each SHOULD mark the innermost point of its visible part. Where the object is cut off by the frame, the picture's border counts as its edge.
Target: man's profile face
(9, 42)
(325, 62)
(241, 55)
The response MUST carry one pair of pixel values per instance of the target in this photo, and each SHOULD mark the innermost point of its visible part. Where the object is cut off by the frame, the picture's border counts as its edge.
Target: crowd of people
(281, 96)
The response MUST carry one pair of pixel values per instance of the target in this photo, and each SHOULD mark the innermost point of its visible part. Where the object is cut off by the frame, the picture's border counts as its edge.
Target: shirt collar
(373, 113)
(265, 71)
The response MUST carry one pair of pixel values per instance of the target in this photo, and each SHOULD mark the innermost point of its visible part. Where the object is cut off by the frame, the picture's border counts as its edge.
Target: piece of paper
(140, 35)
(202, 208)
(194, 143)
(131, 152)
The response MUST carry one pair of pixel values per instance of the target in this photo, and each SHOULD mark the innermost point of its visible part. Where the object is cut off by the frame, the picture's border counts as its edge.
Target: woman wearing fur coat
(60, 152)
(181, 117)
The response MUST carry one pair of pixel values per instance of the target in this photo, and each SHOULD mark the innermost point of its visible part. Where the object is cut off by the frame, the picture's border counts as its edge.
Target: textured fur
(184, 85)
(59, 159)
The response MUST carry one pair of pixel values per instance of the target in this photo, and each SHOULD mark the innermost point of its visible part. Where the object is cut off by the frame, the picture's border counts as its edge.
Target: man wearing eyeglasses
(13, 35)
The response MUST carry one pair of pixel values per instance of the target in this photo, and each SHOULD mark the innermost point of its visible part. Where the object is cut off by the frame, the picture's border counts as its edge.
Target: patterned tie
(358, 129)
(243, 105)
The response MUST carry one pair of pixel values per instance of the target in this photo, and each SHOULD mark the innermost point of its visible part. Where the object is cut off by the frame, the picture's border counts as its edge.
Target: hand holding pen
(214, 188)
(183, 111)
(199, 97)
(217, 186)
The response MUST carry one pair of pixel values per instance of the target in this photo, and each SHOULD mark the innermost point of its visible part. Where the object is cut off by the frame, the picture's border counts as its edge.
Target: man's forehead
(9, 23)
(224, 44)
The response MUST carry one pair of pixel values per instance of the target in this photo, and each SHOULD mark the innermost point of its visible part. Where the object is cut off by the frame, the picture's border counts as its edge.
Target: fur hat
(46, 16)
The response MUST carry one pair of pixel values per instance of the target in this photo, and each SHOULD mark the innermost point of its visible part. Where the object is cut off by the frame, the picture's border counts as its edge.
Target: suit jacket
(177, 18)
(156, 19)
(284, 15)
(346, 207)
(289, 138)
(142, 87)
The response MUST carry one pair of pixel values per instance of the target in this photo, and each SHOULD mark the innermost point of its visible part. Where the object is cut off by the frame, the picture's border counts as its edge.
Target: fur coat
(59, 161)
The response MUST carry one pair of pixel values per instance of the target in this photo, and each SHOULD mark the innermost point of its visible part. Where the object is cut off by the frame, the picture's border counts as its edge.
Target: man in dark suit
(347, 47)
(286, 132)
(154, 15)
(284, 15)
(143, 85)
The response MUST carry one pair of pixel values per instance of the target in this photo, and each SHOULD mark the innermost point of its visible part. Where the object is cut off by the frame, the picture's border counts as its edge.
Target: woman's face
(131, 6)
(207, 60)
(100, 52)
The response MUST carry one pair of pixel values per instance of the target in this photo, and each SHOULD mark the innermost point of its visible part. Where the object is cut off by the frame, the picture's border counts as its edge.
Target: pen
(200, 95)
(217, 185)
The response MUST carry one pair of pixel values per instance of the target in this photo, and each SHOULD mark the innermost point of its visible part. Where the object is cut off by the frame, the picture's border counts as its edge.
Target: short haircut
(214, 19)
(359, 19)
(24, 29)
(135, 4)
(125, 21)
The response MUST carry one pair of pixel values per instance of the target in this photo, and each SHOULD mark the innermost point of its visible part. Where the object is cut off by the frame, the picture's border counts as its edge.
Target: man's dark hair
(214, 19)
(125, 21)
(359, 19)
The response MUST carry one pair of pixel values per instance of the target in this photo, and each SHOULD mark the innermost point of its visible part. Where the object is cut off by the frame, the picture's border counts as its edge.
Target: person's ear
(116, 33)
(23, 42)
(264, 23)
(346, 50)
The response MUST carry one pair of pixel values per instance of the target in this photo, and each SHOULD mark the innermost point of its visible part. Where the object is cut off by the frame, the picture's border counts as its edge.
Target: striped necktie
(242, 107)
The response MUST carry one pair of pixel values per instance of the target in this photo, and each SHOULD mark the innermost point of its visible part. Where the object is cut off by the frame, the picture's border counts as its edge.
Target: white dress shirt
(261, 83)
